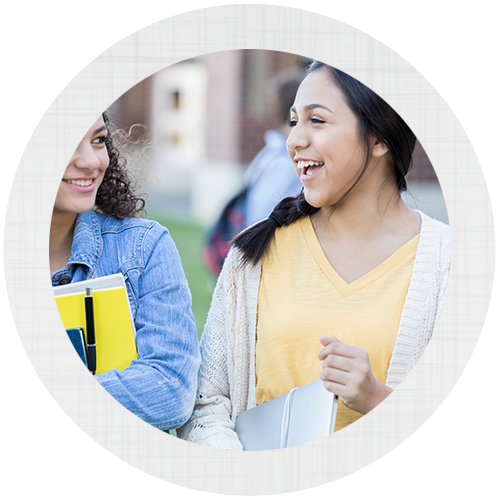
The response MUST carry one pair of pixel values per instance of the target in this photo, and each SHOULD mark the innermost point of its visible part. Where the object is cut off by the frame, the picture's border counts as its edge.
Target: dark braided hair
(375, 119)
(116, 195)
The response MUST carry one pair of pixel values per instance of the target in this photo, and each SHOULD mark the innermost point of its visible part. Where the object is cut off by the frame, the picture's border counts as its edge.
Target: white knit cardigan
(226, 384)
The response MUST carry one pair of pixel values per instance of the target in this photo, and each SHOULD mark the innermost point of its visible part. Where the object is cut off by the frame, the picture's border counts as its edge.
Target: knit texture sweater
(226, 381)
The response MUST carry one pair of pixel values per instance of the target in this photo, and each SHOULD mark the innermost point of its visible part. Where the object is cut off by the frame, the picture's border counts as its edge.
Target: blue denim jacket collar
(87, 241)
(87, 246)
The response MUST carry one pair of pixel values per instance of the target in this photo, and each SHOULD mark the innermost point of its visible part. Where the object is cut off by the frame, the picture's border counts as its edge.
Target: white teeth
(87, 182)
(303, 164)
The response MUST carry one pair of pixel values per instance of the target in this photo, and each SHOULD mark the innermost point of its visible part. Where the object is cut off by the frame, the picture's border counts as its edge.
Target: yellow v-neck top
(301, 297)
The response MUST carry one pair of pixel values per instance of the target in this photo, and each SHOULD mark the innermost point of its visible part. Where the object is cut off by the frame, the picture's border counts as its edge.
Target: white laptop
(303, 415)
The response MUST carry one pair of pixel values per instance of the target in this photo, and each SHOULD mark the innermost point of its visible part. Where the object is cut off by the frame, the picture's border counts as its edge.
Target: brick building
(206, 118)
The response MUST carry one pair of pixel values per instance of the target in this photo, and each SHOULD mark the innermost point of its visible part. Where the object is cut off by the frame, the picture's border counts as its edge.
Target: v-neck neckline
(344, 288)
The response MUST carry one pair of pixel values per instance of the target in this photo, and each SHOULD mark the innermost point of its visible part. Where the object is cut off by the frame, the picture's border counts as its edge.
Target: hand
(347, 372)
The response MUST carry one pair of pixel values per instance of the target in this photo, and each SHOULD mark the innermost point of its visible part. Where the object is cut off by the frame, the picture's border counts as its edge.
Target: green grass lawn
(188, 238)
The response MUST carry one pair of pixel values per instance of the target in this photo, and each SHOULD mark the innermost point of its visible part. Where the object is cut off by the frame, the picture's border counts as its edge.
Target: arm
(160, 385)
(211, 423)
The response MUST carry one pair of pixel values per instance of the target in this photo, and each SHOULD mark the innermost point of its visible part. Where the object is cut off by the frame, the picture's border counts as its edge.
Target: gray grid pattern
(226, 28)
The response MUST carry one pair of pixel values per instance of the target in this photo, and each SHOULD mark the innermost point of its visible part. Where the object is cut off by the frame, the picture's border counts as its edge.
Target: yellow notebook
(113, 323)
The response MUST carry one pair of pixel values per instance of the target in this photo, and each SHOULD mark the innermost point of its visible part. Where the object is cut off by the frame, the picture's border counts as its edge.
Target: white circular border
(226, 28)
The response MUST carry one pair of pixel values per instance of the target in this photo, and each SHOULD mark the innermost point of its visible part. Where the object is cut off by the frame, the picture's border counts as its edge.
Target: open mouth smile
(309, 168)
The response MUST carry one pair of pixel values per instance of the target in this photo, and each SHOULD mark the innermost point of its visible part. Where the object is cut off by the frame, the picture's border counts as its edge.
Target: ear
(379, 149)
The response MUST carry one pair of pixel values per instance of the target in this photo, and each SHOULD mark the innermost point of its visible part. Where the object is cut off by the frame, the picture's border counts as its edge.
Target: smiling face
(324, 142)
(84, 173)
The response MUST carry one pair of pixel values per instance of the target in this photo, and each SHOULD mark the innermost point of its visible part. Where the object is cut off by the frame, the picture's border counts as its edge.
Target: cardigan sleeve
(211, 423)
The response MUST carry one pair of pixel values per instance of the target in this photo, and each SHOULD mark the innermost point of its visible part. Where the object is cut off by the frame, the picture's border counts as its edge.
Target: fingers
(336, 376)
(334, 387)
(327, 340)
(338, 348)
(338, 362)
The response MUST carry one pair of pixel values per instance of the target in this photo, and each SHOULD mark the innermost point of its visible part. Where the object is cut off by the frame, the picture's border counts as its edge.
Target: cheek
(104, 160)
(105, 169)
(349, 153)
(59, 195)
(101, 178)
(327, 145)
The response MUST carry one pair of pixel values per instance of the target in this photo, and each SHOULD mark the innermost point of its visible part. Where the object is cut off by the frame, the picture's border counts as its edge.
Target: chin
(75, 208)
(321, 199)
(84, 209)
(315, 201)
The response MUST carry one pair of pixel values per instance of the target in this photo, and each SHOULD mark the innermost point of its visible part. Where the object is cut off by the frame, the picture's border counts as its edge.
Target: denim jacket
(160, 385)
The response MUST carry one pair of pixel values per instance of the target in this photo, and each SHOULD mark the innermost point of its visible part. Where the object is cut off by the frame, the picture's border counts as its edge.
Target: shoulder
(438, 225)
(110, 224)
(435, 232)
(136, 236)
(235, 262)
(131, 228)
(434, 248)
(289, 240)
(238, 273)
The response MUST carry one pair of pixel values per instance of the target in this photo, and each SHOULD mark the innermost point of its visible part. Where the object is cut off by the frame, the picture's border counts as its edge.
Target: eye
(292, 123)
(99, 140)
(317, 120)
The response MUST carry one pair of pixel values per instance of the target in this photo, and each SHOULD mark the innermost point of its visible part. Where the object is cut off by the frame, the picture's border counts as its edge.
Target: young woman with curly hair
(95, 231)
(343, 283)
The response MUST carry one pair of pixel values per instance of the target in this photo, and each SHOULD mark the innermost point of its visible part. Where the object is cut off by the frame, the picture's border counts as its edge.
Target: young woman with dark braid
(343, 283)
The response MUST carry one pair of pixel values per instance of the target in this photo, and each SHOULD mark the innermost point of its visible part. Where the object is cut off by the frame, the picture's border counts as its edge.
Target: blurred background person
(271, 176)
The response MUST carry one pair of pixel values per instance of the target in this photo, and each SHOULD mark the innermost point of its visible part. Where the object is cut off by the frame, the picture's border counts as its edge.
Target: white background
(438, 434)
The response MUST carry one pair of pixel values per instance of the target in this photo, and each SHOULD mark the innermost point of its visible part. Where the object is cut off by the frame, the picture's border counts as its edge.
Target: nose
(86, 158)
(297, 139)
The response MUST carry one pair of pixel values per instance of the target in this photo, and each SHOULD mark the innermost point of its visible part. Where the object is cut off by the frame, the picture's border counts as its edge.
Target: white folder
(303, 415)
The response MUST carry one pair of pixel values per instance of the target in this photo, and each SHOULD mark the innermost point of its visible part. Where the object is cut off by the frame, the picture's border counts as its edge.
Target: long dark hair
(376, 119)
(116, 195)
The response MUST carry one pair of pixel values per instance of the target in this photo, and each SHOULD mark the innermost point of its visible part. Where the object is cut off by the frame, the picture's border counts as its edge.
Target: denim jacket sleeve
(160, 385)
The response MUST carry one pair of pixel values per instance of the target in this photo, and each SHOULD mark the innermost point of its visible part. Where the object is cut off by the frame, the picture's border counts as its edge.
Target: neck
(61, 238)
(366, 215)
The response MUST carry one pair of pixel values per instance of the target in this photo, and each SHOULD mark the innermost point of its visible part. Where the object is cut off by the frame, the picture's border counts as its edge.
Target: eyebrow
(309, 107)
(99, 130)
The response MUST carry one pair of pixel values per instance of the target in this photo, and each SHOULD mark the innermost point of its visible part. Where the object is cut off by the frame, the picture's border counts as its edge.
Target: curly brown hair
(116, 195)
